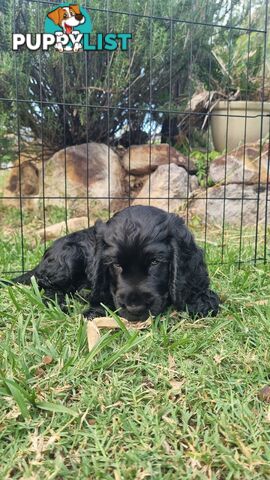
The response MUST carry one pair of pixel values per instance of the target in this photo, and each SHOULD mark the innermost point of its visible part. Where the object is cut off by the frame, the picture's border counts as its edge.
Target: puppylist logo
(68, 28)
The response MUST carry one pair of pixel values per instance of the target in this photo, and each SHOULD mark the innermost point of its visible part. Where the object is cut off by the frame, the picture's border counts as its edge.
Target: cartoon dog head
(67, 17)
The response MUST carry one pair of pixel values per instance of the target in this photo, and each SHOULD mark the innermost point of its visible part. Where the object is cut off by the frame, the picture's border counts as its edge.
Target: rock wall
(242, 188)
(155, 175)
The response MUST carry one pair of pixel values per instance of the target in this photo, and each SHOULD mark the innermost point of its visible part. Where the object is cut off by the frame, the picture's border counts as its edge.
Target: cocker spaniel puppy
(139, 262)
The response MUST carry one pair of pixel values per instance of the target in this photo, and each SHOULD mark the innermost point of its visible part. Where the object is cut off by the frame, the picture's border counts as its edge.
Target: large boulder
(242, 204)
(243, 165)
(144, 159)
(92, 170)
(168, 181)
(21, 184)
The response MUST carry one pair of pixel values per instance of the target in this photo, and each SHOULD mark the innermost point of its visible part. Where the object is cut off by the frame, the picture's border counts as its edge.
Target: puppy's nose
(135, 309)
(79, 16)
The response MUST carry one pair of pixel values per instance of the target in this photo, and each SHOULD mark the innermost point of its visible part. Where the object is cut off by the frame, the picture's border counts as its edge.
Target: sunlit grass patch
(178, 400)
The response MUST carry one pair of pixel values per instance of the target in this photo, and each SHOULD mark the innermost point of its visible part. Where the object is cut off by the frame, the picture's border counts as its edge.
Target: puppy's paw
(94, 312)
(205, 304)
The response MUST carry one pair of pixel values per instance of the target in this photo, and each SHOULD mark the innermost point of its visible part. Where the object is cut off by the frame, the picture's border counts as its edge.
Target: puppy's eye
(65, 15)
(154, 262)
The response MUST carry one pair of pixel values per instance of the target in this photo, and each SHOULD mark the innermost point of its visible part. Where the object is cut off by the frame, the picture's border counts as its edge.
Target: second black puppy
(142, 260)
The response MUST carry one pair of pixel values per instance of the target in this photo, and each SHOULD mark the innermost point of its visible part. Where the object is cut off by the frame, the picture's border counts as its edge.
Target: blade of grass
(36, 289)
(13, 299)
(118, 320)
(33, 299)
(56, 408)
(19, 396)
(132, 342)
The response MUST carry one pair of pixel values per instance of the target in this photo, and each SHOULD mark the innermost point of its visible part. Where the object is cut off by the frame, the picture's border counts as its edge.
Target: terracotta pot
(242, 120)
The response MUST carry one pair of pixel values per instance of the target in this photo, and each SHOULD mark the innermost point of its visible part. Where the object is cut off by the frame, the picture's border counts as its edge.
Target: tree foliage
(66, 99)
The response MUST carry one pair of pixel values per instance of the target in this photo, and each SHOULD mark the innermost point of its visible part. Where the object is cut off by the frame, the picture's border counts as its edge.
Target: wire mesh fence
(179, 120)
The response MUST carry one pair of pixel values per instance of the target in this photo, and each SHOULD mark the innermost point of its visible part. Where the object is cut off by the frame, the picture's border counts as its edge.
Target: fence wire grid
(144, 98)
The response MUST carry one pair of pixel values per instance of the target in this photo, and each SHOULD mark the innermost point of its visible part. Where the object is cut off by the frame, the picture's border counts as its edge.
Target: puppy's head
(136, 255)
(147, 259)
(67, 17)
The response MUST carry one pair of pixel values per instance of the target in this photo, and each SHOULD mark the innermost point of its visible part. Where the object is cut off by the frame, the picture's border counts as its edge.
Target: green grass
(176, 401)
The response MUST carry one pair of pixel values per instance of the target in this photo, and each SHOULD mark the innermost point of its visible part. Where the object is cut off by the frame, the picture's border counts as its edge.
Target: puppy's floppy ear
(189, 280)
(55, 16)
(96, 271)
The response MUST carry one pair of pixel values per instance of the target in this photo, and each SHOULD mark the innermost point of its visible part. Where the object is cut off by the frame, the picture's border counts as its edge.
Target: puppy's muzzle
(138, 310)
(134, 314)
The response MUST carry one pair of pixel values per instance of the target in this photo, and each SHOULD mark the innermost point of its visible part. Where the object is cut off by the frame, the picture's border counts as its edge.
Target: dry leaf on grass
(142, 474)
(63, 388)
(171, 361)
(47, 360)
(13, 414)
(117, 475)
(257, 302)
(218, 359)
(93, 333)
(40, 372)
(169, 420)
(91, 421)
(108, 322)
(176, 386)
(264, 394)
(267, 417)
(167, 448)
(244, 449)
(40, 444)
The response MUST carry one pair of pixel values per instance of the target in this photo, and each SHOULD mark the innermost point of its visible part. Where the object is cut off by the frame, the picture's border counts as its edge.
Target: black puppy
(142, 260)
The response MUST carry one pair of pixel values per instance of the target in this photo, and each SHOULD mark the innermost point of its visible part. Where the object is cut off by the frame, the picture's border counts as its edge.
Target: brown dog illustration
(67, 18)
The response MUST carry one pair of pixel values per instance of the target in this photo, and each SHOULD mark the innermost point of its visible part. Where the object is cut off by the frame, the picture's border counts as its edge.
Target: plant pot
(242, 120)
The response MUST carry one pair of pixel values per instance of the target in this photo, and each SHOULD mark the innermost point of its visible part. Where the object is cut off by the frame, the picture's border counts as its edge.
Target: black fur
(142, 260)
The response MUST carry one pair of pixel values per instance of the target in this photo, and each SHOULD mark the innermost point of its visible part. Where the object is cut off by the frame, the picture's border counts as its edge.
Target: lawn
(176, 401)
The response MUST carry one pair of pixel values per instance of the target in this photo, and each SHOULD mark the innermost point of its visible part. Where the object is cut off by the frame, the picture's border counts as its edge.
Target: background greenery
(167, 62)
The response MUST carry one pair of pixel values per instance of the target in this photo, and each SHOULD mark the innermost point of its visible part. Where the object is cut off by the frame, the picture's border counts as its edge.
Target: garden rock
(242, 165)
(23, 181)
(214, 209)
(143, 159)
(91, 169)
(157, 187)
(134, 183)
(60, 229)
